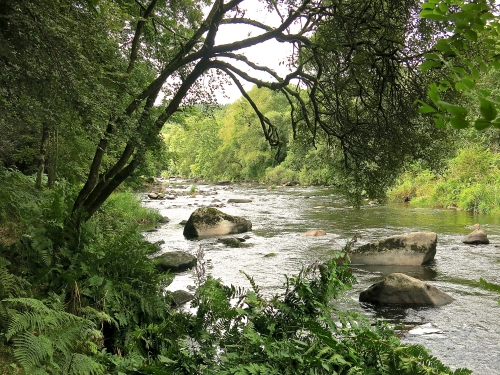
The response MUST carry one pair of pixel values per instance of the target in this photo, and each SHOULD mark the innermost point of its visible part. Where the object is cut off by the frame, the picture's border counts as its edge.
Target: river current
(465, 333)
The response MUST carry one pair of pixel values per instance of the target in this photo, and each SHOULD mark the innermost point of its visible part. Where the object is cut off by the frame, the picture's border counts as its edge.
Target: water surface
(469, 328)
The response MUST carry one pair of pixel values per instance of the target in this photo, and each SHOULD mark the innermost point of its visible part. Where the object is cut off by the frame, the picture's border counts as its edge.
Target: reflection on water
(419, 272)
(470, 325)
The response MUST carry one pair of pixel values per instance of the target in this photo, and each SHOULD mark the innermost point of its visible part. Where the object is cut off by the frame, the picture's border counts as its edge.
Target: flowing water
(465, 333)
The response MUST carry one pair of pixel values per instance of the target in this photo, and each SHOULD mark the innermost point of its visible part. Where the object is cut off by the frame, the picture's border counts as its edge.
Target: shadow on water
(425, 273)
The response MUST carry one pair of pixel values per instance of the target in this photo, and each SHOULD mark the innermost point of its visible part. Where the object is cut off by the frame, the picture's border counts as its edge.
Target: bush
(470, 183)
(280, 175)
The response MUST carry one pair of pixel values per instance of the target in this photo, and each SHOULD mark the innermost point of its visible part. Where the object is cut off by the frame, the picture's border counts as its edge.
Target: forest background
(98, 97)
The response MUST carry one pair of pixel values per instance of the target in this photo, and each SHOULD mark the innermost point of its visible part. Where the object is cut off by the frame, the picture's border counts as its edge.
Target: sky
(269, 54)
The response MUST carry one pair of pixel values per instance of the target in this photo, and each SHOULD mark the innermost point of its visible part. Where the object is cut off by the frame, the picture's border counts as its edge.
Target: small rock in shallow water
(477, 237)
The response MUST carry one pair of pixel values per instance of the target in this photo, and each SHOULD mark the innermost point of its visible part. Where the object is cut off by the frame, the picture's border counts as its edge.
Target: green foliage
(468, 53)
(48, 340)
(18, 204)
(297, 331)
(280, 175)
(417, 182)
(469, 183)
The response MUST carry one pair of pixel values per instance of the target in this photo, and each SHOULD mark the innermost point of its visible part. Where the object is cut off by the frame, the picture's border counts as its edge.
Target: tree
(181, 49)
(367, 63)
(467, 53)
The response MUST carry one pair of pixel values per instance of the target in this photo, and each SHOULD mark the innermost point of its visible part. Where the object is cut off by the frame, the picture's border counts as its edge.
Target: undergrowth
(96, 304)
(471, 182)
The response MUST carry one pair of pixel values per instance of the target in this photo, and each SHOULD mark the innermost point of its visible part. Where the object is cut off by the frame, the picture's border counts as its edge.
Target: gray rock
(478, 237)
(180, 297)
(175, 261)
(238, 200)
(210, 222)
(412, 249)
(225, 182)
(153, 196)
(398, 288)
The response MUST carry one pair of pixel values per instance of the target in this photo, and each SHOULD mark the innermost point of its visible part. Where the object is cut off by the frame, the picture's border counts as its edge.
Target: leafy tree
(364, 97)
(59, 66)
(467, 54)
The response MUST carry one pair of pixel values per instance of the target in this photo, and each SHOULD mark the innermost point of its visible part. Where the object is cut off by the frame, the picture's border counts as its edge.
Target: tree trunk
(41, 155)
(52, 161)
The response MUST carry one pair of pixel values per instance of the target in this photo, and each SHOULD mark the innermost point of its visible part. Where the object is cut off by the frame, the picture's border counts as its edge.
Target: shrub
(280, 175)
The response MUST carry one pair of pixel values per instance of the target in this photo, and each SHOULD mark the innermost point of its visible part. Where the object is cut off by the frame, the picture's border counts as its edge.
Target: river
(466, 333)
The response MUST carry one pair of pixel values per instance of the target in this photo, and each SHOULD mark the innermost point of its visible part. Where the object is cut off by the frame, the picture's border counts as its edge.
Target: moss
(270, 255)
(231, 241)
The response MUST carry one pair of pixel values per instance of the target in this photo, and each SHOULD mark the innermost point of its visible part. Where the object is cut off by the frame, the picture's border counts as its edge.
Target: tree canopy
(113, 73)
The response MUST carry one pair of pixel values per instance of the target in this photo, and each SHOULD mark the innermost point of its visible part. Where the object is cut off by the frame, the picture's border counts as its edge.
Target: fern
(48, 340)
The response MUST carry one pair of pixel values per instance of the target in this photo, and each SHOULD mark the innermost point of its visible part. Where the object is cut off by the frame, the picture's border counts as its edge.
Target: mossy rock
(211, 222)
(175, 261)
(270, 255)
(416, 248)
(230, 241)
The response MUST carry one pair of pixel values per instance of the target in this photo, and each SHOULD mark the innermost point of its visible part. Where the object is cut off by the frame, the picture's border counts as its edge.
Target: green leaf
(455, 110)
(164, 359)
(432, 56)
(443, 45)
(459, 70)
(425, 108)
(459, 86)
(439, 123)
(433, 93)
(430, 15)
(426, 65)
(475, 73)
(428, 6)
(487, 109)
(459, 123)
(471, 35)
(443, 7)
(481, 124)
(469, 83)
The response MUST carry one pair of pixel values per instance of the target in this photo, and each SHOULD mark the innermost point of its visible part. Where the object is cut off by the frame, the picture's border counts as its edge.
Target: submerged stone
(314, 233)
(180, 297)
(230, 241)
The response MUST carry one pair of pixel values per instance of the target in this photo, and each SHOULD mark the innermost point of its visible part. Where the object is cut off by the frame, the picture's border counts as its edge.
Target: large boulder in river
(478, 237)
(175, 261)
(398, 288)
(412, 249)
(210, 222)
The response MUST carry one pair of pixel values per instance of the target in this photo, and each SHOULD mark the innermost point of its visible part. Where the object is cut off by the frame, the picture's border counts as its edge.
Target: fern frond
(79, 364)
(32, 351)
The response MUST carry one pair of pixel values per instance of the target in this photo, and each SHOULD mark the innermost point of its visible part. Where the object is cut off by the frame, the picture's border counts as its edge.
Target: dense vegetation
(98, 96)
